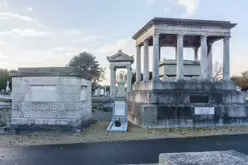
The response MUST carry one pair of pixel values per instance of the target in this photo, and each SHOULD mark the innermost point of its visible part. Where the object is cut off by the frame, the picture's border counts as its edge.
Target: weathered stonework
(230, 157)
(48, 98)
(172, 104)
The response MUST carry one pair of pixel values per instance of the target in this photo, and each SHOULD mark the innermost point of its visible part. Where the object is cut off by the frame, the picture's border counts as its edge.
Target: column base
(179, 79)
(155, 79)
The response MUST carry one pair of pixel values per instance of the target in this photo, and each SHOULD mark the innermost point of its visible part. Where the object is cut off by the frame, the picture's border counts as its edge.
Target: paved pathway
(132, 152)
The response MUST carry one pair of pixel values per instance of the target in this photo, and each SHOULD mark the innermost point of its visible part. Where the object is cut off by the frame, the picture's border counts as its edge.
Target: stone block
(20, 89)
(47, 81)
(69, 89)
(17, 113)
(186, 123)
(203, 158)
(70, 81)
(237, 111)
(43, 106)
(64, 106)
(71, 97)
(18, 97)
(172, 123)
(16, 105)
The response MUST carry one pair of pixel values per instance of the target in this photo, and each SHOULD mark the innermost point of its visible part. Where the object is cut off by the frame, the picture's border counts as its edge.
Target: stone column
(210, 62)
(112, 81)
(155, 70)
(146, 62)
(129, 79)
(114, 90)
(138, 64)
(176, 53)
(226, 58)
(195, 53)
(159, 53)
(203, 62)
(180, 74)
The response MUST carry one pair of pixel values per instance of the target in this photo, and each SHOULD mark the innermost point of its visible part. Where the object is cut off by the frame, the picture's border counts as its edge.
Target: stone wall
(50, 100)
(179, 103)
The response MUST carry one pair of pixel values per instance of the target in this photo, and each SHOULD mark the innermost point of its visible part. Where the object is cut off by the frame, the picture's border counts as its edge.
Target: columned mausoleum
(199, 35)
(184, 102)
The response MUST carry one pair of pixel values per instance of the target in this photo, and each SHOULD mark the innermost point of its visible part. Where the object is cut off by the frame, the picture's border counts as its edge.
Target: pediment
(120, 57)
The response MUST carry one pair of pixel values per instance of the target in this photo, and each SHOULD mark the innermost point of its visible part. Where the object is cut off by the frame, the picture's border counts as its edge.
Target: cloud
(30, 33)
(25, 33)
(30, 9)
(150, 2)
(72, 32)
(126, 45)
(3, 4)
(190, 6)
(89, 38)
(9, 15)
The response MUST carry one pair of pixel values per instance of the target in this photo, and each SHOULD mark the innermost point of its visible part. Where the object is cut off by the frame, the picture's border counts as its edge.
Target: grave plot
(119, 122)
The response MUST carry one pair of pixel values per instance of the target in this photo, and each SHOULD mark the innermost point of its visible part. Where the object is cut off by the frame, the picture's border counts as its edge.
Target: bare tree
(217, 72)
(241, 80)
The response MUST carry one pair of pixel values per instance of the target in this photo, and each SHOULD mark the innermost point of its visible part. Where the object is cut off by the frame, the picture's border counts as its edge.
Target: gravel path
(97, 133)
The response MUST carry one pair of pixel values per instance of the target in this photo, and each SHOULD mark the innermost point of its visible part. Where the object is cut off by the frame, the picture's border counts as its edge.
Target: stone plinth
(204, 158)
(121, 89)
(50, 97)
(187, 104)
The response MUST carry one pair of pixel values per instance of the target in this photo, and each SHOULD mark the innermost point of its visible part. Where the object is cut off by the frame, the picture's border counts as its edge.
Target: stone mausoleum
(54, 97)
(184, 102)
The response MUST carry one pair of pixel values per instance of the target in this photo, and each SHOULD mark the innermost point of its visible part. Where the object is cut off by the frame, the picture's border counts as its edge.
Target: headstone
(121, 89)
(119, 113)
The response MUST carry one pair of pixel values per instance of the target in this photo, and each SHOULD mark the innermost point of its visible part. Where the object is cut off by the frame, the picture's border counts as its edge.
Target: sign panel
(119, 107)
(43, 93)
(204, 110)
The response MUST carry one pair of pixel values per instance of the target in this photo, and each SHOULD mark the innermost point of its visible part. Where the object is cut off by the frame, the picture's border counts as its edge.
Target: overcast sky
(36, 33)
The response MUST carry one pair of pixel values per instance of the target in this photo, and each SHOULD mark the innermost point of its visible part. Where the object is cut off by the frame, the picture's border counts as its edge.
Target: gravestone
(121, 92)
(119, 113)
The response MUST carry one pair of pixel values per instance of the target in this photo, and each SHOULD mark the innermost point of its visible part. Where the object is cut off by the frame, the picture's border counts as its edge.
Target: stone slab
(113, 128)
(119, 112)
(45, 71)
(204, 158)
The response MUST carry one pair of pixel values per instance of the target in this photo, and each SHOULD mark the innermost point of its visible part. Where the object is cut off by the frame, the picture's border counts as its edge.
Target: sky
(46, 33)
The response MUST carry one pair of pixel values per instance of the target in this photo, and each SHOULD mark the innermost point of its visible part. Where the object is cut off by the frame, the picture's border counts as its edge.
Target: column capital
(155, 35)
(112, 67)
(181, 34)
(227, 38)
(203, 36)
